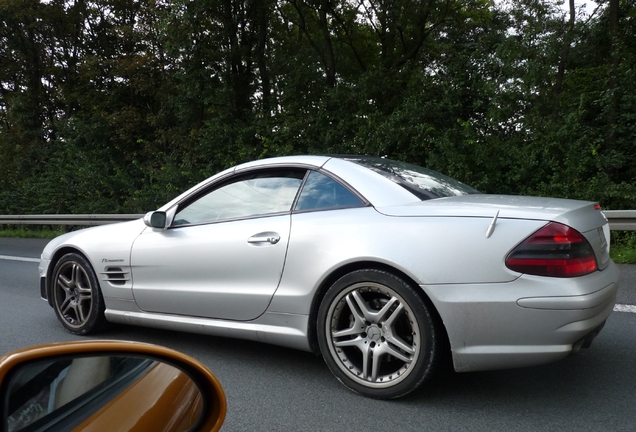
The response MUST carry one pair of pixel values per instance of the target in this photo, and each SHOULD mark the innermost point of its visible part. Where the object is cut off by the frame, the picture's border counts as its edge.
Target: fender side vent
(116, 275)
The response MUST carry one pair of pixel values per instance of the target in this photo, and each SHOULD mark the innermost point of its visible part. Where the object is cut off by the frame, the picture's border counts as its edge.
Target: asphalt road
(271, 388)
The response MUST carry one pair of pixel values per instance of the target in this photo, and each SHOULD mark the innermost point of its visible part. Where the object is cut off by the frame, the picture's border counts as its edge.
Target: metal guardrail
(67, 219)
(619, 220)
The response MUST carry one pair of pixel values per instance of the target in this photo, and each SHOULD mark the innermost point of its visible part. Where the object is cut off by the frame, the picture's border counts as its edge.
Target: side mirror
(155, 219)
(108, 385)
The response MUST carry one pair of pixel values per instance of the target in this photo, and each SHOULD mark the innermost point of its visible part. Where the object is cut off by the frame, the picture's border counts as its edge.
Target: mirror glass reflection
(116, 392)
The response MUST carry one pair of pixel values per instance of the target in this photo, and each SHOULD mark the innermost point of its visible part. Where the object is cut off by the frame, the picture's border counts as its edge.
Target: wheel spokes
(378, 322)
(367, 312)
(391, 336)
(358, 324)
(66, 305)
(74, 294)
(64, 283)
(79, 312)
(362, 344)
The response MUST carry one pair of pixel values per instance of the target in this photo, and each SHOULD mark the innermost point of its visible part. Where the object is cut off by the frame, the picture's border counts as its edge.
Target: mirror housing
(136, 403)
(156, 219)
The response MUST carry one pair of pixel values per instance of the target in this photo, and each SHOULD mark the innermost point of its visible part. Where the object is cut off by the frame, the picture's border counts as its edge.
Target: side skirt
(286, 330)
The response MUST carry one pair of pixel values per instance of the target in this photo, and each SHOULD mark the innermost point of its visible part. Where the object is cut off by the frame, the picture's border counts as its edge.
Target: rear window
(422, 182)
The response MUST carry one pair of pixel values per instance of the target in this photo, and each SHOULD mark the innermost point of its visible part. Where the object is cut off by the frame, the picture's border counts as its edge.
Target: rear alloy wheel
(77, 300)
(377, 335)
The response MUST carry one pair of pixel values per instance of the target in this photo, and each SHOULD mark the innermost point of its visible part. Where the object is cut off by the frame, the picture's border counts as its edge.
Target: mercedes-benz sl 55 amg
(375, 264)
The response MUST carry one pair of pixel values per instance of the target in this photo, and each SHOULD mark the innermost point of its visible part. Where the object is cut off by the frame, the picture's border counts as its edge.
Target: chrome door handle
(272, 238)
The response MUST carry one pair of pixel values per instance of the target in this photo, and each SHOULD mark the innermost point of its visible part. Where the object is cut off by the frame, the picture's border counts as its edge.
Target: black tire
(77, 299)
(374, 313)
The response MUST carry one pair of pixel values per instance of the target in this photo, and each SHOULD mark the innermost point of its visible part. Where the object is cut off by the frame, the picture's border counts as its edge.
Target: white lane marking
(625, 308)
(13, 258)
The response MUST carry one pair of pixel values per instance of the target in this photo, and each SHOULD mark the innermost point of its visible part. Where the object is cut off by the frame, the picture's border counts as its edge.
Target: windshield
(421, 182)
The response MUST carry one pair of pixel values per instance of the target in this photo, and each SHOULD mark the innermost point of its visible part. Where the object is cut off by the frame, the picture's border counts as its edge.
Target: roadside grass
(622, 250)
(31, 233)
(623, 254)
(623, 247)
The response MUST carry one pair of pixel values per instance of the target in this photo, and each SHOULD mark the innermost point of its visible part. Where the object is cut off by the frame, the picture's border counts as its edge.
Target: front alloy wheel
(77, 300)
(377, 334)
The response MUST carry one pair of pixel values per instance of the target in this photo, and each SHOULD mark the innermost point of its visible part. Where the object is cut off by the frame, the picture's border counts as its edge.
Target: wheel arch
(362, 265)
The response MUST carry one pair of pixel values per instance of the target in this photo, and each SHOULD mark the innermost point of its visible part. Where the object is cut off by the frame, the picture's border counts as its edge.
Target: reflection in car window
(265, 193)
(320, 192)
(44, 395)
(421, 182)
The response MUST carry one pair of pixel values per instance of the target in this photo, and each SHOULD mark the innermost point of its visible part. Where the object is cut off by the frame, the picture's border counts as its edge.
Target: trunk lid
(584, 216)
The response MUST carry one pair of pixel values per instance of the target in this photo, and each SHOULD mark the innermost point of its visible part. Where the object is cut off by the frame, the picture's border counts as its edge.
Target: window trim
(363, 201)
(233, 178)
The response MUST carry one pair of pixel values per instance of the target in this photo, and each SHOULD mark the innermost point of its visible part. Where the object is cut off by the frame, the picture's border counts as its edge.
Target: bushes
(164, 94)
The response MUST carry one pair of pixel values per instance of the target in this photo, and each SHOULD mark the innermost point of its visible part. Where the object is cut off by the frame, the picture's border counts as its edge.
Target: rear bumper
(529, 321)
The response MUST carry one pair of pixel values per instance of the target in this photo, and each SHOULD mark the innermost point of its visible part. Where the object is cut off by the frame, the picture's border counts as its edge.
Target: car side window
(322, 192)
(258, 194)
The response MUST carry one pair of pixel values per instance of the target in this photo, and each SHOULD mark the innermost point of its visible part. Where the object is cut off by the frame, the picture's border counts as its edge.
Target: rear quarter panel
(430, 250)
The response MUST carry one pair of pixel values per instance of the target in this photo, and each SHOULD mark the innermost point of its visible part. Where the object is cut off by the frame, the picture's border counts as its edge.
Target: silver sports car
(378, 265)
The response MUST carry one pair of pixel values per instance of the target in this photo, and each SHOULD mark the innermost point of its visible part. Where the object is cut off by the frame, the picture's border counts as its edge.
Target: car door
(223, 255)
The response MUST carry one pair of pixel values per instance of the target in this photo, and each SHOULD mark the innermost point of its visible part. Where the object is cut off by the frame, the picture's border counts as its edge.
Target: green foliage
(623, 247)
(22, 232)
(113, 106)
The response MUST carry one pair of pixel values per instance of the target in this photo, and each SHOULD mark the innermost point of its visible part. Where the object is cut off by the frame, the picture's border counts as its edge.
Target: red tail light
(555, 250)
